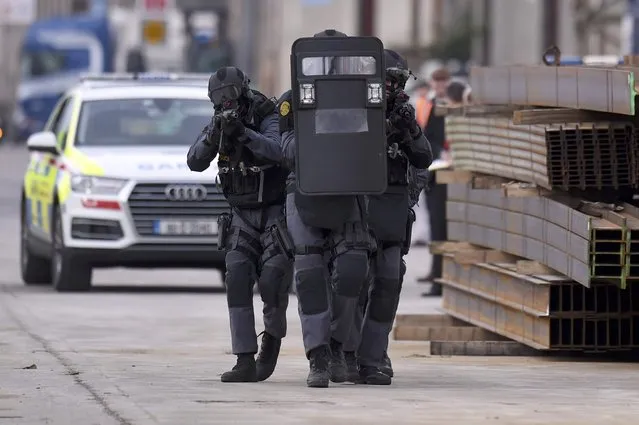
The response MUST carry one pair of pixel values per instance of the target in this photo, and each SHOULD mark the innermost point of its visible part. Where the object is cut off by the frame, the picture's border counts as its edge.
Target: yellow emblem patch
(285, 108)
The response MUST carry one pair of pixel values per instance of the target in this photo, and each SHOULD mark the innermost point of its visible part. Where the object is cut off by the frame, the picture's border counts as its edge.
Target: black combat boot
(352, 373)
(337, 365)
(267, 358)
(318, 375)
(387, 366)
(243, 371)
(371, 375)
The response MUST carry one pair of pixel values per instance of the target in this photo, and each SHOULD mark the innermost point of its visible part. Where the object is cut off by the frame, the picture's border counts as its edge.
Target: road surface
(145, 348)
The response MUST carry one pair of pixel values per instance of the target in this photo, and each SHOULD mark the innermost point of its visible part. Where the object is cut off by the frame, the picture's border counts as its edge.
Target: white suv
(108, 185)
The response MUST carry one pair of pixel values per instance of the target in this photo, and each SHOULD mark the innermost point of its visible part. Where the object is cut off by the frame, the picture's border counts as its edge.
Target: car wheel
(34, 270)
(69, 275)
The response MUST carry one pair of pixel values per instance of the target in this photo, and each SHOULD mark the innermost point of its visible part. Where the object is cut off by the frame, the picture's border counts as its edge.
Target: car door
(46, 166)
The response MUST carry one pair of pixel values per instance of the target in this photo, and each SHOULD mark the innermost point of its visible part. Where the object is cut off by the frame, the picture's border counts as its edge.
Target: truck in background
(54, 54)
(206, 51)
(48, 55)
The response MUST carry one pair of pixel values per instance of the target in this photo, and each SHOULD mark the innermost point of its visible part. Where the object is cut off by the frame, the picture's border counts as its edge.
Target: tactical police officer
(391, 221)
(418, 180)
(244, 133)
(316, 224)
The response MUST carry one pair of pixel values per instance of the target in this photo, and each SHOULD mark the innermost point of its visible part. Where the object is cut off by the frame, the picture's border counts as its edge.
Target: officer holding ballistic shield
(333, 139)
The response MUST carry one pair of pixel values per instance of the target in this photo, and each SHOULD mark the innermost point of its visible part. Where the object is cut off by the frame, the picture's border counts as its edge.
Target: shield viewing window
(338, 65)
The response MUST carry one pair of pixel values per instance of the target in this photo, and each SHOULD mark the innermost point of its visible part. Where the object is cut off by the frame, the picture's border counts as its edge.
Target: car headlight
(90, 185)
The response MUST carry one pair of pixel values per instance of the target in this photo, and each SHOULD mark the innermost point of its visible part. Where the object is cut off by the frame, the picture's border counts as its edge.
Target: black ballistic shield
(339, 103)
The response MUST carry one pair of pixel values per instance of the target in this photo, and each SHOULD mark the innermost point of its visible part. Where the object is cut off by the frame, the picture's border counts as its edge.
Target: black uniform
(322, 228)
(245, 134)
(391, 218)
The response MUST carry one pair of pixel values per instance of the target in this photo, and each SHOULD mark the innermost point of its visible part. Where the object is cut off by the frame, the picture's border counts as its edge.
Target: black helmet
(397, 72)
(394, 60)
(330, 33)
(228, 85)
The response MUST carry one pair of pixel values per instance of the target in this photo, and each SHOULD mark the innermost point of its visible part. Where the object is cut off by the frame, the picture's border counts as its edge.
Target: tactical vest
(249, 182)
(397, 167)
(397, 171)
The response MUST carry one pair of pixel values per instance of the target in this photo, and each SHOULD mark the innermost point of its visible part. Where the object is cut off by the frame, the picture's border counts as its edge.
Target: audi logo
(185, 192)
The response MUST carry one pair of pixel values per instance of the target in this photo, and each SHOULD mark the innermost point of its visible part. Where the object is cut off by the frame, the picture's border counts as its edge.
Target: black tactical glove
(234, 128)
(406, 116)
(214, 131)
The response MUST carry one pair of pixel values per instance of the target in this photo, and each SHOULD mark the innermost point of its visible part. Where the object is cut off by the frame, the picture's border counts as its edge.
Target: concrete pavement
(134, 353)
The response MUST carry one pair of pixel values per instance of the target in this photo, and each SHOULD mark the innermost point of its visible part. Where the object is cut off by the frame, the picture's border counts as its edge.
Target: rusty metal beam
(585, 156)
(543, 312)
(547, 230)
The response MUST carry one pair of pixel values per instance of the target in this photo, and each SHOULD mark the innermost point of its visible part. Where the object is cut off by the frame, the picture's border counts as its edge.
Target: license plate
(185, 227)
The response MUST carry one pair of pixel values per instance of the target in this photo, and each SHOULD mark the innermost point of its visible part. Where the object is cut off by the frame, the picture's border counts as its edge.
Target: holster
(282, 239)
(409, 231)
(223, 228)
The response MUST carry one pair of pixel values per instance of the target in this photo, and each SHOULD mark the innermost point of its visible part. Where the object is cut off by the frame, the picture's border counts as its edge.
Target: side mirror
(43, 141)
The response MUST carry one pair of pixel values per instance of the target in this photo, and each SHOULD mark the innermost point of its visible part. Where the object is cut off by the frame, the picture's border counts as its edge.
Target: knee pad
(363, 294)
(383, 300)
(272, 283)
(239, 280)
(350, 273)
(312, 290)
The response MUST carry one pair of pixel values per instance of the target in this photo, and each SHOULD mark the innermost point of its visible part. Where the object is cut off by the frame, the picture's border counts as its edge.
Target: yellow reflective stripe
(64, 186)
(73, 124)
(45, 222)
(83, 163)
(49, 178)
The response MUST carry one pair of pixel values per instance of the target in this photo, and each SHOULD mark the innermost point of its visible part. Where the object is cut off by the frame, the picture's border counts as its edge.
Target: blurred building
(264, 30)
(507, 31)
(518, 31)
(12, 29)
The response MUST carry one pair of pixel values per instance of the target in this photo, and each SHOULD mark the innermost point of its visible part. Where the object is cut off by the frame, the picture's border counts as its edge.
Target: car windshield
(41, 63)
(142, 122)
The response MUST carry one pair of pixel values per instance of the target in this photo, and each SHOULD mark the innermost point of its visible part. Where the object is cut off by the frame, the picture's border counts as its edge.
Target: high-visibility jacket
(423, 108)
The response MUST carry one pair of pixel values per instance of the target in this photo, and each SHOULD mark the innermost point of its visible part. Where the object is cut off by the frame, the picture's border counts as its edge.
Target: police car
(107, 183)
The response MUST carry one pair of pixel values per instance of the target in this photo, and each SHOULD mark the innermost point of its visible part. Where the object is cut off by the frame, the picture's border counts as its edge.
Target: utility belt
(251, 186)
(278, 232)
(412, 217)
(398, 170)
(406, 242)
(397, 179)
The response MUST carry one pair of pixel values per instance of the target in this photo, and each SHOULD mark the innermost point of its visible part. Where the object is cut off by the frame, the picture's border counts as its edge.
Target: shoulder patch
(285, 108)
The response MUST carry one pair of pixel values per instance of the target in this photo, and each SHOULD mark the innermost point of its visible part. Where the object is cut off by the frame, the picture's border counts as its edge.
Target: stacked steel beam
(546, 312)
(599, 156)
(549, 230)
(587, 300)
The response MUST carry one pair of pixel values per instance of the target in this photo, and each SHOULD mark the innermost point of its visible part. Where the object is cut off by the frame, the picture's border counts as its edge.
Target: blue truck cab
(54, 54)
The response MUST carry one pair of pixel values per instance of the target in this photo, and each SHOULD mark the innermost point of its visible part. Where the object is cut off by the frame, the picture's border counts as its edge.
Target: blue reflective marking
(156, 226)
(50, 214)
(47, 168)
(29, 213)
(39, 211)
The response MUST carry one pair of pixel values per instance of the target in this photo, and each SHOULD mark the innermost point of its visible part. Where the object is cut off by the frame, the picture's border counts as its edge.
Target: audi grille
(154, 201)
